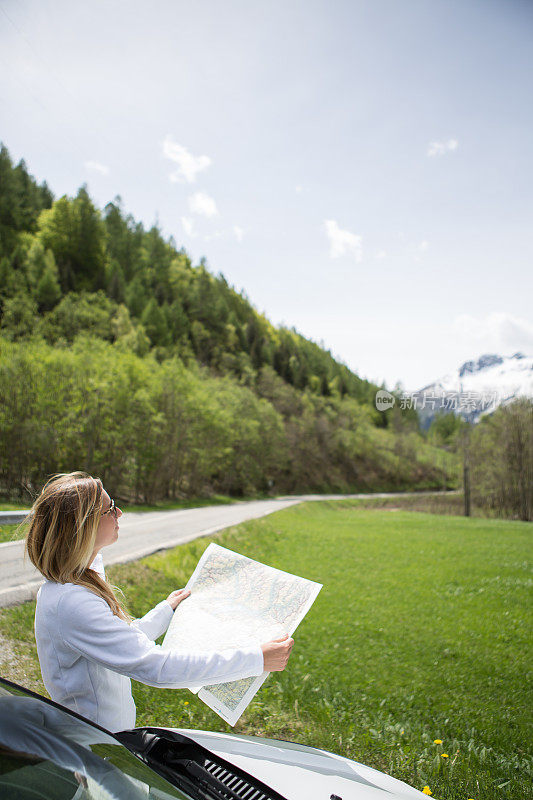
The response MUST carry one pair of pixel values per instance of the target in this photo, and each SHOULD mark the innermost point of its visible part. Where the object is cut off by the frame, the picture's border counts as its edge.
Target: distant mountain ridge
(477, 387)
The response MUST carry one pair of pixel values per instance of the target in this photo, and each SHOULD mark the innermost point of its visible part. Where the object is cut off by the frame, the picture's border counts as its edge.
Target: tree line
(498, 453)
(154, 430)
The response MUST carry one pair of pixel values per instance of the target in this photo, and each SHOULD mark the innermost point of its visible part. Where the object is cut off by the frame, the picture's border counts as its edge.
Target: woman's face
(107, 531)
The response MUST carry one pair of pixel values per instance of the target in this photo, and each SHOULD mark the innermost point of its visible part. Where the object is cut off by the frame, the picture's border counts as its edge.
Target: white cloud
(95, 166)
(381, 254)
(297, 189)
(188, 165)
(423, 246)
(188, 226)
(201, 203)
(440, 148)
(239, 233)
(497, 331)
(342, 242)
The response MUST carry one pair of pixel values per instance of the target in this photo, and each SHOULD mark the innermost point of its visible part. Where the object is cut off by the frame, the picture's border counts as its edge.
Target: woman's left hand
(176, 597)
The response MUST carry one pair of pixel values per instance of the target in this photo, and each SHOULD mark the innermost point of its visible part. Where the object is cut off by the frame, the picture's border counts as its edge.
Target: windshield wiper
(193, 768)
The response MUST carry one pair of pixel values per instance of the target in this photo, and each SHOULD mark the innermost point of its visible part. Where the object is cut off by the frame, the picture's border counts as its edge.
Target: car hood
(293, 769)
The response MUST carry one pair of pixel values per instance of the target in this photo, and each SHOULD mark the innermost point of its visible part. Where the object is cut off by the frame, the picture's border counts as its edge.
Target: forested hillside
(120, 356)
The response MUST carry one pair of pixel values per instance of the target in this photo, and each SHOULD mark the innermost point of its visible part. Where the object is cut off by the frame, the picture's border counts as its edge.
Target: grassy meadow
(421, 635)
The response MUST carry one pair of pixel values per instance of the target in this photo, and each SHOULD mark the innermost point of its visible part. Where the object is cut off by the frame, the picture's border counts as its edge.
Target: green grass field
(422, 632)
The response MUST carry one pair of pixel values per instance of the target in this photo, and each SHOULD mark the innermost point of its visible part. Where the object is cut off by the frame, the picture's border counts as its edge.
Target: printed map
(237, 602)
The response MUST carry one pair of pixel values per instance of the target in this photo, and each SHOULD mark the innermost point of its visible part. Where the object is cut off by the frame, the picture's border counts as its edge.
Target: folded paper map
(237, 602)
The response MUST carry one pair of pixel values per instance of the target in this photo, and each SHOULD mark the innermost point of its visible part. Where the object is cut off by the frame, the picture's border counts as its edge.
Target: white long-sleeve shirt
(88, 655)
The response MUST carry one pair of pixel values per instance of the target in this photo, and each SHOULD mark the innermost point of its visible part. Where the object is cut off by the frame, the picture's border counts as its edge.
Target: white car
(50, 753)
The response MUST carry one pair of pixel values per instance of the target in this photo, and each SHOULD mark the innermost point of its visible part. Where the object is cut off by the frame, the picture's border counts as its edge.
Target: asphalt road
(142, 533)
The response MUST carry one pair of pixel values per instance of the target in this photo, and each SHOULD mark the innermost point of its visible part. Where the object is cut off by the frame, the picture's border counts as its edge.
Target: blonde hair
(62, 533)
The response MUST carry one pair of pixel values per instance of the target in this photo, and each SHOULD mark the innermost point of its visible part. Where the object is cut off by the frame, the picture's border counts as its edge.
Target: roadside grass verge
(11, 533)
(421, 633)
(443, 503)
(174, 505)
(164, 505)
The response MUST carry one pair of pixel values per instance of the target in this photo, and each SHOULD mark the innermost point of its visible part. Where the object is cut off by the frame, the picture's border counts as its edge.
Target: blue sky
(362, 170)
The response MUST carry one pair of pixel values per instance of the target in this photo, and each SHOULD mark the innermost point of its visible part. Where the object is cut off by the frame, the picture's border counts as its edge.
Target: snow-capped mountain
(477, 387)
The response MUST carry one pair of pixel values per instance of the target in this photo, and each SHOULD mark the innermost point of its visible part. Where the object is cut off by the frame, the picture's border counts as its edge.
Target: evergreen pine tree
(48, 291)
(155, 323)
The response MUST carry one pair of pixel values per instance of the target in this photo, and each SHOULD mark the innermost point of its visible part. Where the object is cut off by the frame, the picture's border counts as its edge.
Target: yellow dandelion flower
(437, 741)
(186, 703)
(444, 755)
(426, 790)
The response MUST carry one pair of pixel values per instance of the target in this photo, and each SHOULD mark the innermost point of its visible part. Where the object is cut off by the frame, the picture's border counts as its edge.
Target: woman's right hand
(276, 654)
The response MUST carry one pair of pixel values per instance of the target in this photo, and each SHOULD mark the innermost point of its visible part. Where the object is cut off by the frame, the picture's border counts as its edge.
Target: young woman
(88, 646)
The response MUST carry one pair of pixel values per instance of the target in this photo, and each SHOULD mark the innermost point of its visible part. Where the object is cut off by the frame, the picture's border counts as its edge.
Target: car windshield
(46, 752)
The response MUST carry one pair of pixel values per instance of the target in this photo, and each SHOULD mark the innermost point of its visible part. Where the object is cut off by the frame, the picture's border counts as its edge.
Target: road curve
(142, 533)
